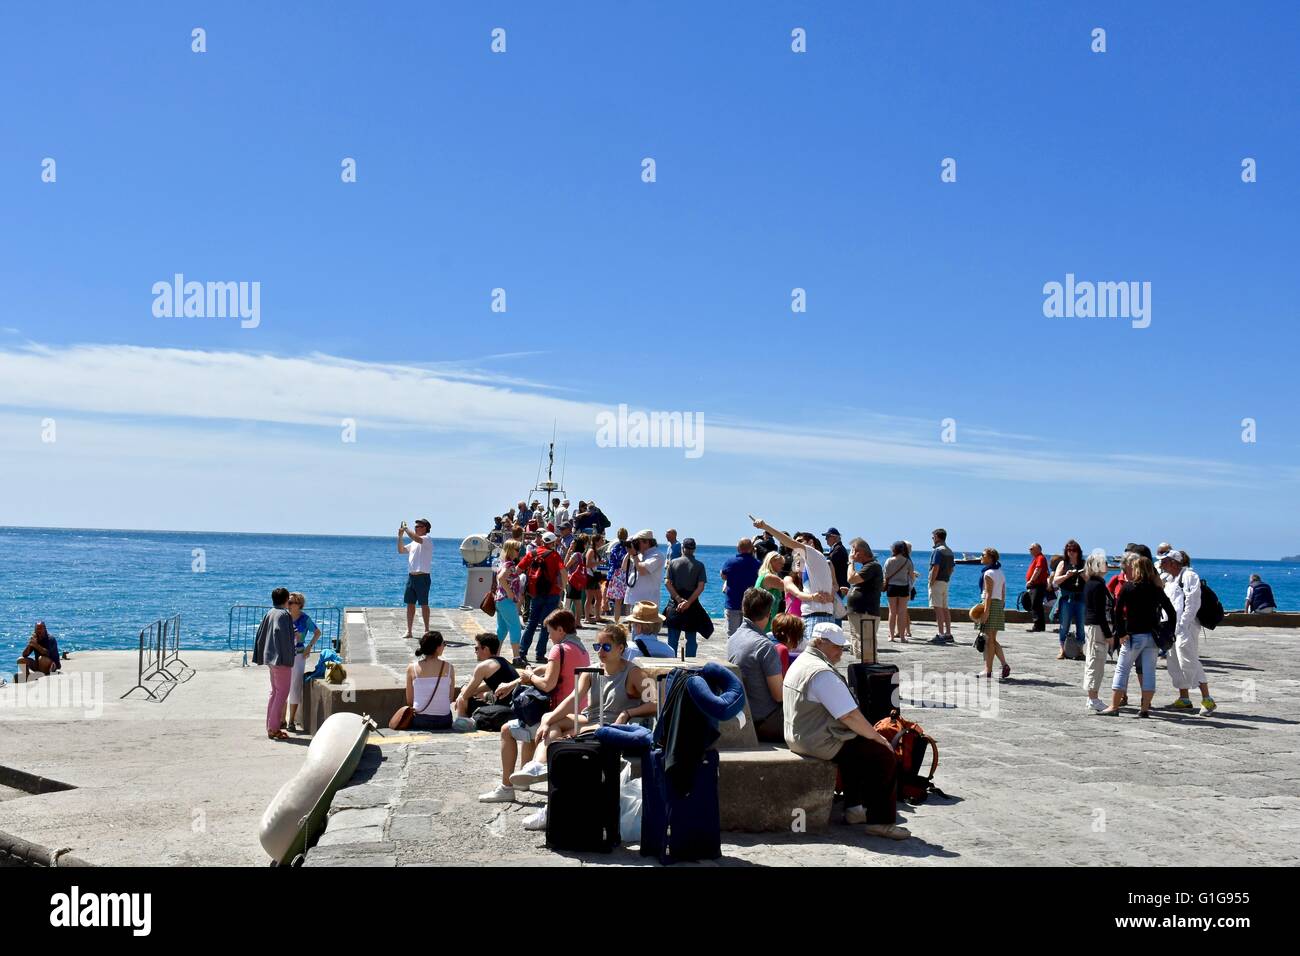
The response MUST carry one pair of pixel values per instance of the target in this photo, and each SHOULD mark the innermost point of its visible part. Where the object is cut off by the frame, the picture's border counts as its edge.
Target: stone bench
(761, 786)
(770, 788)
(369, 689)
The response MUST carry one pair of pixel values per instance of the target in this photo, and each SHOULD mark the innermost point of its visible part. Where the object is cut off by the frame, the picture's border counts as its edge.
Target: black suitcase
(582, 782)
(875, 687)
(680, 829)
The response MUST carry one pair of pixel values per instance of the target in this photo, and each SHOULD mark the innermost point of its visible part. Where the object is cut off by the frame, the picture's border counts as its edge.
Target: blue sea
(97, 589)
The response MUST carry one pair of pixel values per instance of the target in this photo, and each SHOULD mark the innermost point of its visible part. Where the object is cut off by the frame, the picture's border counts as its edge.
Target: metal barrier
(245, 618)
(159, 652)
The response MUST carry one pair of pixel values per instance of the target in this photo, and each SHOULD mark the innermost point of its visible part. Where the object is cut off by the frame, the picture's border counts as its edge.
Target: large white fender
(331, 760)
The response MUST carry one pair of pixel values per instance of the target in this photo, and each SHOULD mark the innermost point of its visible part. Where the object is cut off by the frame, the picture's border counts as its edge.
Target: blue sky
(775, 170)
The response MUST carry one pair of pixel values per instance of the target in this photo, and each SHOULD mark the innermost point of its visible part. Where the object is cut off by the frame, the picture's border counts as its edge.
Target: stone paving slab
(1033, 779)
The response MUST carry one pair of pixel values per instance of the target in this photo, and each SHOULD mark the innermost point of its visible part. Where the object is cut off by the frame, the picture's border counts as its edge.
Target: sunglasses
(606, 647)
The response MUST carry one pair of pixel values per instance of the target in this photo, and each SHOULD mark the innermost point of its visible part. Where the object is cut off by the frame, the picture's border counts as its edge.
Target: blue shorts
(417, 589)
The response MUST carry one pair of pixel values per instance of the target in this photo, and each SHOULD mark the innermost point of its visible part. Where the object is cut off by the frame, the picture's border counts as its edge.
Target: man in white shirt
(822, 720)
(817, 577)
(1183, 587)
(562, 514)
(419, 562)
(648, 567)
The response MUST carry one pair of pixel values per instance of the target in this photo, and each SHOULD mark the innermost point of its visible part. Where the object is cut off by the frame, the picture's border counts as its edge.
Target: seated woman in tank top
(622, 700)
(430, 683)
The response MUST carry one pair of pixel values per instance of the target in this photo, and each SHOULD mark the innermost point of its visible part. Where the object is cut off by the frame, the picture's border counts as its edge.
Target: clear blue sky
(775, 170)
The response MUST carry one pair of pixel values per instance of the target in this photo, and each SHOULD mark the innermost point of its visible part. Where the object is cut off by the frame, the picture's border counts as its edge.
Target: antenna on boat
(563, 462)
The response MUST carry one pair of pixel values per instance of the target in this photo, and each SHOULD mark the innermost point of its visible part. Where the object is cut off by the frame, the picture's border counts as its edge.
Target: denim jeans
(1072, 610)
(542, 607)
(1138, 647)
(508, 626)
(690, 641)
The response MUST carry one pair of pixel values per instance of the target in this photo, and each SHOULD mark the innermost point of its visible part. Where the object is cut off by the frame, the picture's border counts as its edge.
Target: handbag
(404, 716)
(530, 704)
(489, 603)
(492, 716)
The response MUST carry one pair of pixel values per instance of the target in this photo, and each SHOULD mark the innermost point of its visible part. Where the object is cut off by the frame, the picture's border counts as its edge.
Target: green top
(777, 595)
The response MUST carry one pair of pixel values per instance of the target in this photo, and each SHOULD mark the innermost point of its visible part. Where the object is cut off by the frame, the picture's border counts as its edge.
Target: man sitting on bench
(822, 720)
(760, 666)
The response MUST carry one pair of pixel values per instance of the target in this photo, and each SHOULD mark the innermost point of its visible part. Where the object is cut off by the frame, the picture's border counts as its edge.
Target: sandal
(278, 735)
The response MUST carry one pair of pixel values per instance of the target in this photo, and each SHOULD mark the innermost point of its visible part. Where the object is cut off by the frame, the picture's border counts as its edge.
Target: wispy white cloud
(321, 390)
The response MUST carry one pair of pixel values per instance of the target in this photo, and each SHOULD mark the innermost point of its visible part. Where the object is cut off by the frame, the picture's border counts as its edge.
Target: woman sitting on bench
(626, 696)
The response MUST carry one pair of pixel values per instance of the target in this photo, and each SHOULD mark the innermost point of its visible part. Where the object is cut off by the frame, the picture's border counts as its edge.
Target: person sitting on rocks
(556, 678)
(822, 720)
(490, 674)
(41, 652)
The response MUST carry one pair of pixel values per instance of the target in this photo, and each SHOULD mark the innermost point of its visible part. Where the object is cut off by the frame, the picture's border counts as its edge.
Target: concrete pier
(1034, 779)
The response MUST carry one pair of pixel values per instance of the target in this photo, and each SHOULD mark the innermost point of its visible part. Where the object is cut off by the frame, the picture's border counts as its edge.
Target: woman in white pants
(1096, 617)
(1184, 662)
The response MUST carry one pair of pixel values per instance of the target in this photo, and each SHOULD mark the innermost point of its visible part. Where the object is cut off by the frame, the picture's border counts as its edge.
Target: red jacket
(1037, 573)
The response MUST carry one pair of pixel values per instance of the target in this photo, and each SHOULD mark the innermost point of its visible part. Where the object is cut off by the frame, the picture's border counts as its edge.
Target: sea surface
(97, 589)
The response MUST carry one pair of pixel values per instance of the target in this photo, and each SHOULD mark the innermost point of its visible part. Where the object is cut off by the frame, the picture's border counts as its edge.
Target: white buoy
(476, 552)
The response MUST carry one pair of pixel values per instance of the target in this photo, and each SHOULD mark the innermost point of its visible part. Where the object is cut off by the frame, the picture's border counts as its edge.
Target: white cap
(826, 631)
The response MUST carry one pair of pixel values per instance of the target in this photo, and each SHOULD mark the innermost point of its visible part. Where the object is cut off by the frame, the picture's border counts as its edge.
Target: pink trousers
(280, 678)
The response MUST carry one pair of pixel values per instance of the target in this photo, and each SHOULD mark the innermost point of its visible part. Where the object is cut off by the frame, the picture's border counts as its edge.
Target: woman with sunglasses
(1069, 580)
(623, 699)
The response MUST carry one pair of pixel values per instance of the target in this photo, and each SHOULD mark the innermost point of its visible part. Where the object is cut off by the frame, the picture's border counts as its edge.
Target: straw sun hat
(977, 612)
(644, 612)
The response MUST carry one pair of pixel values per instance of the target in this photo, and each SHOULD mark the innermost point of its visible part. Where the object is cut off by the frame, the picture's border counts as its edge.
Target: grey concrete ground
(1033, 778)
(181, 781)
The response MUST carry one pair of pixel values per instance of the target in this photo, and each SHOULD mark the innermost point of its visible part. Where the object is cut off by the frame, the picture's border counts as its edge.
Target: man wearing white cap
(822, 720)
(1183, 587)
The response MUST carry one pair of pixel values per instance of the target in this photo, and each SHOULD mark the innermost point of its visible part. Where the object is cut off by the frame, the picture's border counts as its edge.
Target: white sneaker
(501, 794)
(537, 821)
(530, 773)
(856, 814)
(1095, 705)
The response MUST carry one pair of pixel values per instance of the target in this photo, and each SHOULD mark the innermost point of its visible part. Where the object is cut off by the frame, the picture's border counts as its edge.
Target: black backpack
(1211, 611)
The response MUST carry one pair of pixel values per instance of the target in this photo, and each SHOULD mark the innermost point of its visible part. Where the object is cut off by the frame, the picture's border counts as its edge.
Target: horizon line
(326, 534)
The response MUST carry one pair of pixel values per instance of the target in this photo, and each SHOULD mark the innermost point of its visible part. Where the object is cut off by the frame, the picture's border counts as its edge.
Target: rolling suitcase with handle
(582, 776)
(875, 687)
(680, 827)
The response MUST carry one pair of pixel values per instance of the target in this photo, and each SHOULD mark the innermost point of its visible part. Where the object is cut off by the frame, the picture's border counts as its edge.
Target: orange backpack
(910, 741)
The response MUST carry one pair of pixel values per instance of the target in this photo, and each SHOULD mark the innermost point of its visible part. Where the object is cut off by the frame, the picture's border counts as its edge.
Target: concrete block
(761, 788)
(350, 818)
(369, 689)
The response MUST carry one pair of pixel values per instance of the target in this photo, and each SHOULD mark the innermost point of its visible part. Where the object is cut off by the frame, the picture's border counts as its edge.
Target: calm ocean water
(96, 589)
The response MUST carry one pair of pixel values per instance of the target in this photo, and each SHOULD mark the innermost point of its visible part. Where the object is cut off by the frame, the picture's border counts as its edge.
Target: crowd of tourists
(795, 604)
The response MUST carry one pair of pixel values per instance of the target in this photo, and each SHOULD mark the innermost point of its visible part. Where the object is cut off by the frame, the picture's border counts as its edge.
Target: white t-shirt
(817, 572)
(999, 584)
(419, 556)
(832, 693)
(649, 583)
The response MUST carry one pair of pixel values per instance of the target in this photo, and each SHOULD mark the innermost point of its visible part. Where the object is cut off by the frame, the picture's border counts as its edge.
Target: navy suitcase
(875, 687)
(678, 829)
(582, 782)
